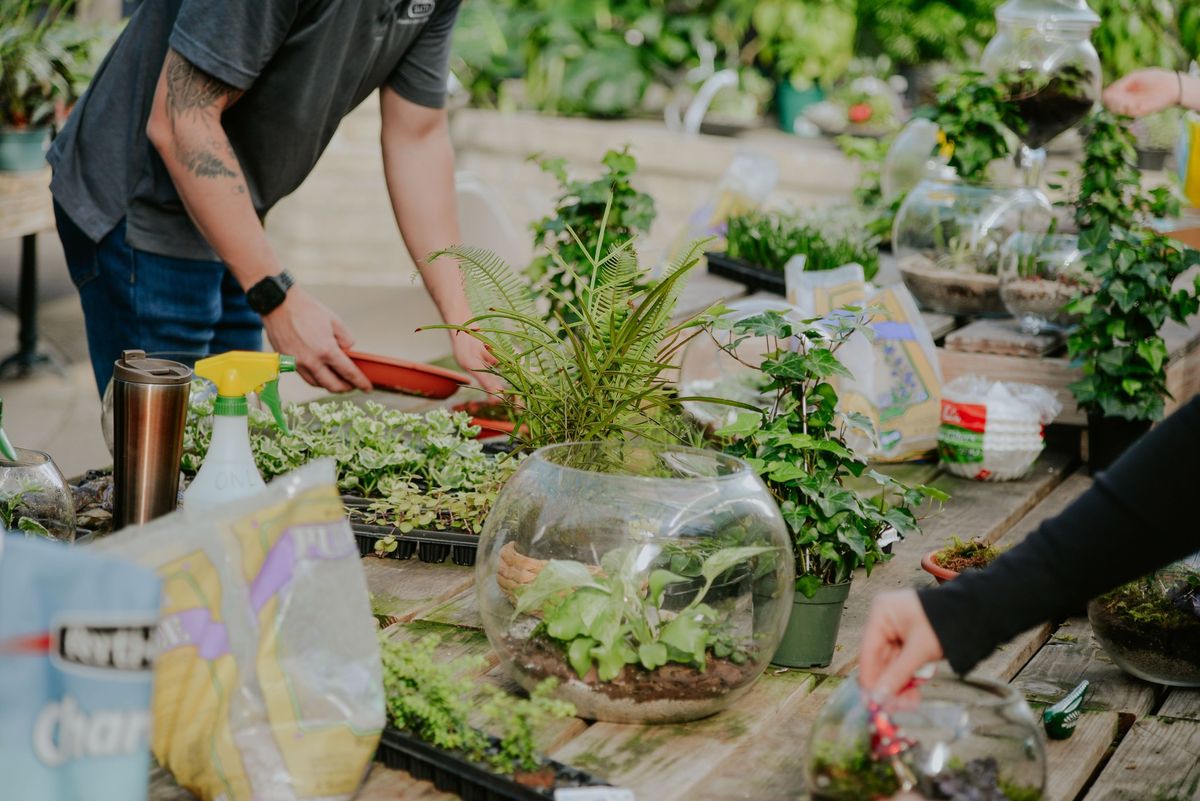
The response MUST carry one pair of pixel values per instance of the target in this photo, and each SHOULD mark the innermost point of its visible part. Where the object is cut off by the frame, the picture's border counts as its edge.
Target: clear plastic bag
(267, 681)
(992, 430)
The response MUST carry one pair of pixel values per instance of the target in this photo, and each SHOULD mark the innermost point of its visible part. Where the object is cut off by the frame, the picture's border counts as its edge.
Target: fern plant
(600, 373)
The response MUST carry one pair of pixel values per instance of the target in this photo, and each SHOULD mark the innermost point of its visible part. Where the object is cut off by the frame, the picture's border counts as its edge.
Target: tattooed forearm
(190, 90)
(205, 164)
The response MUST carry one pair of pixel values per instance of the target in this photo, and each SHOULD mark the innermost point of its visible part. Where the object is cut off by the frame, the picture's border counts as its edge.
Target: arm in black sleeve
(1136, 517)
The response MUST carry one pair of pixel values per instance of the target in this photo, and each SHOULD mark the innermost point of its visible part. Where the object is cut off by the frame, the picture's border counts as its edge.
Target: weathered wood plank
(1159, 760)
(385, 784)
(660, 762)
(25, 203)
(1071, 762)
(403, 589)
(975, 509)
(1008, 659)
(1053, 504)
(1181, 703)
(772, 765)
(1072, 655)
(461, 610)
(1002, 337)
(939, 325)
(466, 649)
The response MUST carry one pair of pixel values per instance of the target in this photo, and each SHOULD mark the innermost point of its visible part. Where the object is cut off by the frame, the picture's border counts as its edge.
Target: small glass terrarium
(949, 238)
(1039, 275)
(950, 739)
(653, 582)
(34, 497)
(1151, 627)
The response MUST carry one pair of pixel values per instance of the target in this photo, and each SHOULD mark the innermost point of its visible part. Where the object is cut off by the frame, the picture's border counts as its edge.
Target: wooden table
(26, 209)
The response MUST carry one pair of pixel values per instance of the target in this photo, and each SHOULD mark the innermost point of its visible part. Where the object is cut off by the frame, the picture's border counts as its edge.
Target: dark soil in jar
(1053, 106)
(543, 658)
(1163, 649)
(949, 291)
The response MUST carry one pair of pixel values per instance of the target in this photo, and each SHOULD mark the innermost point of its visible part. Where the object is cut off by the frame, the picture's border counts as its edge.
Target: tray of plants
(429, 546)
(456, 774)
(749, 275)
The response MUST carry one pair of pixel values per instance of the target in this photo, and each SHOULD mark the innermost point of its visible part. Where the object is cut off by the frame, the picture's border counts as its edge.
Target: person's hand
(898, 641)
(305, 328)
(474, 357)
(1144, 92)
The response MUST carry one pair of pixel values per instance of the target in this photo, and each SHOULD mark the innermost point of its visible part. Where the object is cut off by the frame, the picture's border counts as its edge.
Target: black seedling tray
(451, 773)
(750, 275)
(460, 547)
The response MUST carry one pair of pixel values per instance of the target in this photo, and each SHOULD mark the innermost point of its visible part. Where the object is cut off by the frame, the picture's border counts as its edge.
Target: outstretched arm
(185, 128)
(1147, 91)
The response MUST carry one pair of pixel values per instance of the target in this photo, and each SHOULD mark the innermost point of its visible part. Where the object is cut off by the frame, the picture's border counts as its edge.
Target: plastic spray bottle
(228, 471)
(6, 448)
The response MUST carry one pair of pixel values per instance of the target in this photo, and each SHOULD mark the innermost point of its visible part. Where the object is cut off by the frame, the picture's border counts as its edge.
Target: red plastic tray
(411, 378)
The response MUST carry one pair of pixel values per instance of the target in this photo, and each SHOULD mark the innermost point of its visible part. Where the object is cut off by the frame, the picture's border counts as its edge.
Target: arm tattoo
(189, 92)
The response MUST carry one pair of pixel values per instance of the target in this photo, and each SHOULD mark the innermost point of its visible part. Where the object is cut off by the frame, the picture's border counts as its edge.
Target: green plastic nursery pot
(812, 629)
(790, 103)
(23, 149)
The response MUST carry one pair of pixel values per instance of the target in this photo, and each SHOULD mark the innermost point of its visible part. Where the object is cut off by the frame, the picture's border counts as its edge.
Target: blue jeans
(134, 299)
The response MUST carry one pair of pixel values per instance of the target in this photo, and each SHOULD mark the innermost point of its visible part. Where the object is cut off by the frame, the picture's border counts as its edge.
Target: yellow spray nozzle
(240, 372)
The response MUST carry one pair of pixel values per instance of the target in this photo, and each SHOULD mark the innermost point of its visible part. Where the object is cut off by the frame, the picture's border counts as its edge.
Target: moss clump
(961, 556)
(851, 776)
(1162, 602)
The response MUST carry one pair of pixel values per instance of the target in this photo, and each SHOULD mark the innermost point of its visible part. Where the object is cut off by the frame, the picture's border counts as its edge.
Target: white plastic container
(992, 430)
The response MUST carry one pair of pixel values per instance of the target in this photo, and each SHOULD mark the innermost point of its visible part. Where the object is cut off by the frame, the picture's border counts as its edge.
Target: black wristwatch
(267, 295)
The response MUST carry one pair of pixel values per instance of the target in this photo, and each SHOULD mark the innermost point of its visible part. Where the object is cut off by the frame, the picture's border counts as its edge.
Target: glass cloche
(35, 498)
(1039, 275)
(1151, 627)
(1043, 48)
(951, 739)
(653, 582)
(948, 238)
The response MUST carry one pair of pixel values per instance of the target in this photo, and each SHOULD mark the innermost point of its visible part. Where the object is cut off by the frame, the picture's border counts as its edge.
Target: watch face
(265, 296)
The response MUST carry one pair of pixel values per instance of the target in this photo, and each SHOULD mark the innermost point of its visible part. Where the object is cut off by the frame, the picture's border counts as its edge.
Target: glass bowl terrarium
(1039, 275)
(653, 582)
(1151, 627)
(948, 237)
(949, 738)
(35, 498)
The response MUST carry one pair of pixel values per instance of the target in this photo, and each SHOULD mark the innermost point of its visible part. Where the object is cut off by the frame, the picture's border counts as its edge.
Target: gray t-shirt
(303, 64)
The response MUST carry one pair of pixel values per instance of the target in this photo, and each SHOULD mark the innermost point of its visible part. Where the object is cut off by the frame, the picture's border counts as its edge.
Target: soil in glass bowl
(1051, 106)
(861, 778)
(1151, 631)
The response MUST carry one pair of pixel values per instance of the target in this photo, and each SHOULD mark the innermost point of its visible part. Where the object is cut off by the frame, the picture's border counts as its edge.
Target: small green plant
(435, 702)
(1117, 341)
(37, 66)
(770, 238)
(975, 114)
(799, 448)
(14, 515)
(564, 270)
(804, 43)
(610, 618)
(603, 376)
(1165, 601)
(408, 505)
(922, 32)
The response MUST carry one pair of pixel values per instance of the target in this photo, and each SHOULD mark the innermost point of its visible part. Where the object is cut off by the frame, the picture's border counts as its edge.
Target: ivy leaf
(744, 425)
(1154, 351)
(808, 585)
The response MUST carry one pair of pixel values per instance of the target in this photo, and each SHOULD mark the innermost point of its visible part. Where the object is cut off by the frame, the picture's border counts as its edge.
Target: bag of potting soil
(76, 646)
(267, 680)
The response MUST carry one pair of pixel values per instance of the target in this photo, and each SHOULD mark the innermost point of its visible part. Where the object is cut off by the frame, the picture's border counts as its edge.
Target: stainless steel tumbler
(150, 404)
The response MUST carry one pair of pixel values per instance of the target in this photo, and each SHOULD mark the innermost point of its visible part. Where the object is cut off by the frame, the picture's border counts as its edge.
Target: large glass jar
(653, 582)
(1151, 627)
(1043, 48)
(963, 739)
(948, 238)
(35, 498)
(1039, 275)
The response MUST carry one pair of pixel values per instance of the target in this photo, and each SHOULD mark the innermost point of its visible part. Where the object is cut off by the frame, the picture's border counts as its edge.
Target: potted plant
(799, 448)
(946, 563)
(35, 75)
(760, 243)
(804, 46)
(1134, 270)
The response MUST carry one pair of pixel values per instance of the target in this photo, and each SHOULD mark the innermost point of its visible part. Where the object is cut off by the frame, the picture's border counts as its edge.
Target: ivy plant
(798, 447)
(602, 213)
(770, 238)
(975, 115)
(439, 703)
(1117, 342)
(614, 617)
